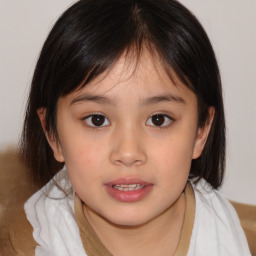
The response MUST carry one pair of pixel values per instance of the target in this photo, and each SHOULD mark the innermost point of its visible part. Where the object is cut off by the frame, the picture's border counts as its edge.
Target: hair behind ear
(36, 152)
(203, 133)
(52, 140)
(211, 164)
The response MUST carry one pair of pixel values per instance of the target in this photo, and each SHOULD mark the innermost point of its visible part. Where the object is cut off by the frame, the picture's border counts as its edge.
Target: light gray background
(231, 26)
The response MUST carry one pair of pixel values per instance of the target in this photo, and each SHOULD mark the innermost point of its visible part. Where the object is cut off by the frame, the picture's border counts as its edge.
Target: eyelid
(94, 126)
(171, 120)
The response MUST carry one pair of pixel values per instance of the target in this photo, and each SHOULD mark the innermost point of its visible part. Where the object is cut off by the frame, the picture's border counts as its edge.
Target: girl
(125, 132)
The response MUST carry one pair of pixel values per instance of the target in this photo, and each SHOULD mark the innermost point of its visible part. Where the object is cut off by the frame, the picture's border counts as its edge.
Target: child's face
(145, 136)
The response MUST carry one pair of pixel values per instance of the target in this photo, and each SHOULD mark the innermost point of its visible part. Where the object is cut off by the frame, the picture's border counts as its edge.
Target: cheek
(173, 156)
(82, 156)
(79, 145)
(82, 160)
(84, 166)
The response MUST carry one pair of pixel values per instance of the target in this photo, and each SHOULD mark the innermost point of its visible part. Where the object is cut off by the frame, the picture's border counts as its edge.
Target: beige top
(94, 247)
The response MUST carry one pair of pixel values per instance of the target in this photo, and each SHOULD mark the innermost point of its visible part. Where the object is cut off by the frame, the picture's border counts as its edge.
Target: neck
(160, 236)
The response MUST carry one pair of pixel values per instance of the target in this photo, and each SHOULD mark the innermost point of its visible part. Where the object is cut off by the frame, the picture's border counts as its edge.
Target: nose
(127, 148)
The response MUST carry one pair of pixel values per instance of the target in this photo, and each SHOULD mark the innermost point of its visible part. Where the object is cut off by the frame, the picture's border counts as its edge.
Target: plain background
(231, 26)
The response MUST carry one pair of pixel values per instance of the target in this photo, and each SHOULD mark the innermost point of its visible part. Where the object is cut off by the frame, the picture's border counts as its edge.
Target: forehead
(137, 77)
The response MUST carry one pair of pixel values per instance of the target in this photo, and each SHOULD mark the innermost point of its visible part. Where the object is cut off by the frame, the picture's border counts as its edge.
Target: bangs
(91, 42)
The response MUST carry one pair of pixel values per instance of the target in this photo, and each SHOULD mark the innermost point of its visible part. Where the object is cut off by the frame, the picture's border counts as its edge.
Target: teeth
(130, 187)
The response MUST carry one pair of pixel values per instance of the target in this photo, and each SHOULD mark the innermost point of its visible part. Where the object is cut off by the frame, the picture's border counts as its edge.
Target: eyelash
(171, 120)
(95, 115)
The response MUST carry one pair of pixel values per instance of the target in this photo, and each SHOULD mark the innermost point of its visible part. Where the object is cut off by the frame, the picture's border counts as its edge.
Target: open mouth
(128, 187)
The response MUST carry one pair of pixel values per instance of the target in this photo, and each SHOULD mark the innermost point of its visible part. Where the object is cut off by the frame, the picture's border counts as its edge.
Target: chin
(128, 222)
(129, 219)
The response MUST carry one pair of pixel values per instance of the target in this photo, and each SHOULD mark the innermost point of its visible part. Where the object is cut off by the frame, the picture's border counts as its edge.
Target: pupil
(158, 120)
(98, 120)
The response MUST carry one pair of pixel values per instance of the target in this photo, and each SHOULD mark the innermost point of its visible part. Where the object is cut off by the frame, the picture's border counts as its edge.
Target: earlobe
(202, 134)
(41, 112)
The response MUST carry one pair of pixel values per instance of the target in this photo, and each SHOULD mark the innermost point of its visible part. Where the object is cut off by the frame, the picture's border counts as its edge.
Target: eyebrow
(160, 98)
(94, 98)
(147, 101)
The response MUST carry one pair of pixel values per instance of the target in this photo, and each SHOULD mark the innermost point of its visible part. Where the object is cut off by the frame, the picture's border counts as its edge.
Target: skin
(129, 145)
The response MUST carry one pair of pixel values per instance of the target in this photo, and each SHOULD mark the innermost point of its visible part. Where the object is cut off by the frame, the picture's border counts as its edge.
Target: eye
(96, 120)
(159, 120)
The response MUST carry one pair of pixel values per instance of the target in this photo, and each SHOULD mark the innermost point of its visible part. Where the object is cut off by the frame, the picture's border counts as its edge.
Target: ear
(54, 144)
(202, 134)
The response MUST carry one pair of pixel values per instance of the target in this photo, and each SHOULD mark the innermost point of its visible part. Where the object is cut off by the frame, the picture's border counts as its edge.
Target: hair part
(90, 37)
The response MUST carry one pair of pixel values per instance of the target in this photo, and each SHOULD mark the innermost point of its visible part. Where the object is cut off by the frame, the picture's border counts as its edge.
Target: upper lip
(127, 181)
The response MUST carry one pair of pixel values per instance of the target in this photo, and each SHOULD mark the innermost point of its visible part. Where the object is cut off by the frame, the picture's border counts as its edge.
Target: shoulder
(217, 228)
(56, 195)
(51, 214)
(49, 206)
(211, 202)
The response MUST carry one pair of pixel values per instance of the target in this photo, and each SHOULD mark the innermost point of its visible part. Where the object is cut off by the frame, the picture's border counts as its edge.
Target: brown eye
(97, 120)
(159, 120)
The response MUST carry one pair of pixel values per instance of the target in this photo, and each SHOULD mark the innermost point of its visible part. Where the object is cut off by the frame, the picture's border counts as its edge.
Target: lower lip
(129, 196)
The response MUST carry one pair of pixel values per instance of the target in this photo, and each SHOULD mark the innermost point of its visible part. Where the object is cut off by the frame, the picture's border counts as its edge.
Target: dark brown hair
(87, 40)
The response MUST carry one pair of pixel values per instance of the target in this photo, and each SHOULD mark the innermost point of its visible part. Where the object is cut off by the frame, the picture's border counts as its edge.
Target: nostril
(128, 160)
